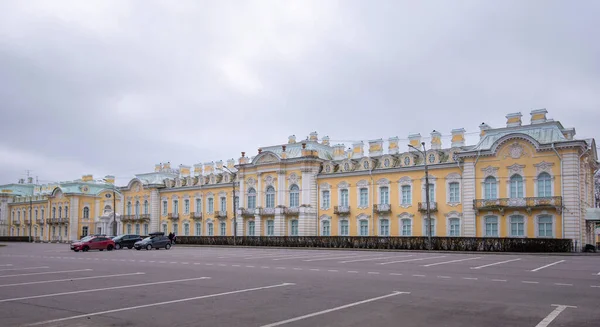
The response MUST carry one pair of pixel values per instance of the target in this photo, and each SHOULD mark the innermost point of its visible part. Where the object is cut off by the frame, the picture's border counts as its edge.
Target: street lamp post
(234, 175)
(424, 152)
(114, 224)
(30, 221)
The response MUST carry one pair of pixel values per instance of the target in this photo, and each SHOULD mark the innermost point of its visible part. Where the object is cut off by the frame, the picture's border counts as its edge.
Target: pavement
(49, 285)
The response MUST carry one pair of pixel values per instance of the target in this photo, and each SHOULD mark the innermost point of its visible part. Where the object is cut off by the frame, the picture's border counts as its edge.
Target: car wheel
(148, 247)
(76, 250)
(138, 249)
(86, 248)
(130, 247)
(118, 246)
(168, 246)
(109, 247)
(101, 249)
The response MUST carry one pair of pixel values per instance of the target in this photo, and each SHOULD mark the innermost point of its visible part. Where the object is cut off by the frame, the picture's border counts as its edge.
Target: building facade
(520, 180)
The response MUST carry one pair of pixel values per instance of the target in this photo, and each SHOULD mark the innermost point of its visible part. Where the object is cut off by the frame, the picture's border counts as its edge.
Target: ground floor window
(164, 229)
(517, 226)
(198, 229)
(137, 229)
(270, 228)
(491, 226)
(186, 229)
(211, 231)
(426, 228)
(384, 227)
(175, 229)
(128, 229)
(84, 231)
(545, 226)
(344, 228)
(454, 227)
(326, 228)
(294, 227)
(145, 229)
(406, 227)
(364, 228)
(223, 229)
(251, 227)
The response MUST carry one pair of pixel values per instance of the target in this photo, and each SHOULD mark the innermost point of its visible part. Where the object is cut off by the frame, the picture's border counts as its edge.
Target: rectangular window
(223, 203)
(364, 228)
(223, 229)
(198, 205)
(270, 228)
(454, 227)
(186, 206)
(236, 202)
(164, 229)
(270, 200)
(198, 229)
(251, 227)
(175, 206)
(325, 231)
(326, 202)
(66, 213)
(145, 229)
(344, 198)
(384, 195)
(491, 226)
(517, 226)
(165, 204)
(431, 192)
(454, 191)
(128, 229)
(294, 228)
(186, 229)
(344, 228)
(406, 227)
(426, 228)
(137, 229)
(211, 231)
(251, 201)
(406, 195)
(363, 195)
(545, 227)
(175, 228)
(294, 199)
(211, 205)
(384, 227)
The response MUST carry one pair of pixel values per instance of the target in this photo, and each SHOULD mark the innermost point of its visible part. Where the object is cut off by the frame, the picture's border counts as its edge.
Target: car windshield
(148, 238)
(118, 237)
(87, 238)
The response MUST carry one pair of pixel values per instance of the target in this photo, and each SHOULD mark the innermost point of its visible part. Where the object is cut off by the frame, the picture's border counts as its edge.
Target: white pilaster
(571, 212)
(154, 211)
(74, 218)
(468, 196)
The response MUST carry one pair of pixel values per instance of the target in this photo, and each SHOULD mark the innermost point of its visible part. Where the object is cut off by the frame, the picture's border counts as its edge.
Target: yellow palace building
(520, 180)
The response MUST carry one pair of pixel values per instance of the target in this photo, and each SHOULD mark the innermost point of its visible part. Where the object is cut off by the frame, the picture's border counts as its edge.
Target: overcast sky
(113, 87)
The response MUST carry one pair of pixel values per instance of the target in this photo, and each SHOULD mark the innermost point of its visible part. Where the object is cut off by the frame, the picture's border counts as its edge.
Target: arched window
(137, 208)
(454, 229)
(294, 196)
(129, 208)
(384, 227)
(270, 198)
(516, 186)
(59, 212)
(490, 188)
(326, 230)
(251, 198)
(86, 212)
(145, 207)
(544, 185)
(54, 212)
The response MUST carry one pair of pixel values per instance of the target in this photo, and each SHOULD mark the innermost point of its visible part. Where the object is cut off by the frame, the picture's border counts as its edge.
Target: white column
(281, 189)
(571, 213)
(279, 223)
(468, 196)
(259, 191)
(154, 211)
(74, 218)
(307, 220)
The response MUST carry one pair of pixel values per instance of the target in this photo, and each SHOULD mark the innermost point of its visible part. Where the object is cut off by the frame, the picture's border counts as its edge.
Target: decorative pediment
(490, 171)
(347, 165)
(251, 182)
(544, 167)
(222, 194)
(293, 179)
(209, 194)
(325, 217)
(178, 182)
(366, 163)
(405, 215)
(383, 182)
(407, 160)
(266, 157)
(516, 151)
(453, 214)
(387, 161)
(362, 183)
(405, 181)
(325, 186)
(328, 168)
(269, 180)
(453, 177)
(343, 184)
(515, 169)
(362, 216)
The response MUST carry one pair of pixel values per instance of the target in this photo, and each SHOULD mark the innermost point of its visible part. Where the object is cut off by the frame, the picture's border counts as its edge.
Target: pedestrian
(171, 236)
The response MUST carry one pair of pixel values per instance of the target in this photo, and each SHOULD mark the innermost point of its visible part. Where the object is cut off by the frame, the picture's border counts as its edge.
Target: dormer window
(346, 166)
(431, 158)
(407, 161)
(366, 165)
(386, 163)
(327, 168)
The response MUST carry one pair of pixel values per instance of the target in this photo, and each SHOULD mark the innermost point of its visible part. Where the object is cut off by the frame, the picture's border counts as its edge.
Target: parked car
(126, 241)
(155, 240)
(93, 243)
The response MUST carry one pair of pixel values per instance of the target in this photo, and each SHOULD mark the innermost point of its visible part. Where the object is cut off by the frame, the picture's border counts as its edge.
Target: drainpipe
(562, 188)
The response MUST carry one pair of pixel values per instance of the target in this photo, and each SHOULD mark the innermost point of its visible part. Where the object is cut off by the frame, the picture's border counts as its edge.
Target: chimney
(219, 165)
(436, 140)
(338, 152)
(538, 116)
(393, 145)
(157, 167)
(415, 140)
(569, 133)
(109, 179)
(291, 139)
(167, 166)
(375, 147)
(198, 170)
(184, 171)
(230, 164)
(209, 167)
(483, 127)
(283, 153)
(458, 137)
(325, 140)
(314, 137)
(513, 120)
(358, 150)
(243, 159)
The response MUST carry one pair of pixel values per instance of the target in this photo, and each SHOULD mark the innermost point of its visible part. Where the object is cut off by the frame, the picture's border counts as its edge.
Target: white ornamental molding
(490, 171)
(383, 182)
(362, 216)
(516, 151)
(407, 160)
(325, 217)
(405, 181)
(362, 183)
(454, 214)
(405, 215)
(209, 194)
(453, 177)
(343, 184)
(516, 169)
(222, 194)
(325, 186)
(198, 195)
(347, 166)
(544, 167)
(251, 182)
(293, 179)
(213, 179)
(328, 168)
(175, 197)
(269, 180)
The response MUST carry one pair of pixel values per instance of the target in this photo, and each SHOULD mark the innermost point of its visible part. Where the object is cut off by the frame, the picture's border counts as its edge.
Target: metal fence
(394, 243)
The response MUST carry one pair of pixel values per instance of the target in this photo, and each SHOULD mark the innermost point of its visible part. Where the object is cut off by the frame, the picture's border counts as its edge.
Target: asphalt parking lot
(49, 285)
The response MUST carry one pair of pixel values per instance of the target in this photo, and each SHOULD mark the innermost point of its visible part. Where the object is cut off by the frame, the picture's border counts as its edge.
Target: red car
(93, 243)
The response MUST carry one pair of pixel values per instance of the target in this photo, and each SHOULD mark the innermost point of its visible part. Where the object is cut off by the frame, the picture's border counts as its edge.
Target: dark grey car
(155, 240)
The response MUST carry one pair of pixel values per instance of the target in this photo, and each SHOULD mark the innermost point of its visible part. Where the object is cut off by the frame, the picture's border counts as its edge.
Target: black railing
(395, 243)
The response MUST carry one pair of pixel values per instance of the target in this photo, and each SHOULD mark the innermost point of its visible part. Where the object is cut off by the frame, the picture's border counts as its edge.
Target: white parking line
(410, 260)
(47, 272)
(313, 256)
(371, 259)
(71, 279)
(529, 282)
(498, 280)
(470, 278)
(283, 322)
(102, 289)
(495, 263)
(562, 284)
(546, 266)
(337, 258)
(28, 268)
(553, 315)
(160, 303)
(6, 265)
(451, 261)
